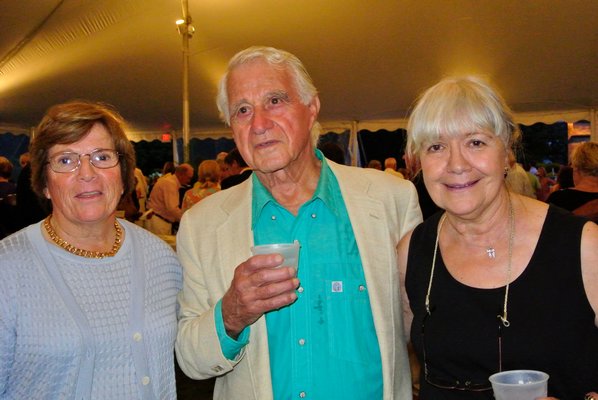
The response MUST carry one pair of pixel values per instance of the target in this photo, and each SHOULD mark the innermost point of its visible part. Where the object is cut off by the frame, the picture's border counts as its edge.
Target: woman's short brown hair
(208, 171)
(68, 123)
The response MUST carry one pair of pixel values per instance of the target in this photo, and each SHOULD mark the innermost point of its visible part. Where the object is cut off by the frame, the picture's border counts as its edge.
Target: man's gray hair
(276, 58)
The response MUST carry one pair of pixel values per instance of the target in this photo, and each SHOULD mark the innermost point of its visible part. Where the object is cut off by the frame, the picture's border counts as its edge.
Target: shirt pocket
(352, 336)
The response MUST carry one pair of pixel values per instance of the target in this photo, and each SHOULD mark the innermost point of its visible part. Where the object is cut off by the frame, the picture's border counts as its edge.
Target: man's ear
(314, 107)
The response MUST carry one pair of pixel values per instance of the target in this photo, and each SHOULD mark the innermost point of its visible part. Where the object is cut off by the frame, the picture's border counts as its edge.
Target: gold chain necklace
(80, 252)
(502, 317)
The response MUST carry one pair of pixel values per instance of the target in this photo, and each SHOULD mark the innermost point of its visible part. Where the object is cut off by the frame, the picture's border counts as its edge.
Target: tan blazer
(215, 236)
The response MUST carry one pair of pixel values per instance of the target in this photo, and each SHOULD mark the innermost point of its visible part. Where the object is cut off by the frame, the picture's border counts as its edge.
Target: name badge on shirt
(337, 286)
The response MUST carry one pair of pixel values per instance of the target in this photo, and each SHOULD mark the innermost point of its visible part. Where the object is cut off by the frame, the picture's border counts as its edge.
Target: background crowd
(568, 186)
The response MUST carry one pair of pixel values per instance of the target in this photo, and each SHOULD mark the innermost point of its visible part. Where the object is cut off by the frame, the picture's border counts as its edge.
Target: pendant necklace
(503, 318)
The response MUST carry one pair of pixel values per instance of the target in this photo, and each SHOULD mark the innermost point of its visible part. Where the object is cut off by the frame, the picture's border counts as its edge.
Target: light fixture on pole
(185, 26)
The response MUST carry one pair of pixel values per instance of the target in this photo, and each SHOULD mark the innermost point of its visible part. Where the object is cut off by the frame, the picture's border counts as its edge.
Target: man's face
(185, 176)
(225, 171)
(270, 124)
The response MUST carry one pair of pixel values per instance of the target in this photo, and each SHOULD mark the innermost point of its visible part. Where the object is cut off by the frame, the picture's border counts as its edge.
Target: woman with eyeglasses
(495, 281)
(87, 301)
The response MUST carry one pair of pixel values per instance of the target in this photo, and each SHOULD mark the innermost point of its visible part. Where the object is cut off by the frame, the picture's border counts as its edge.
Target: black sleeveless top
(552, 326)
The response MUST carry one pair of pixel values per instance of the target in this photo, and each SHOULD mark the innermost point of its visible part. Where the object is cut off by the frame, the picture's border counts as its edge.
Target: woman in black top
(498, 281)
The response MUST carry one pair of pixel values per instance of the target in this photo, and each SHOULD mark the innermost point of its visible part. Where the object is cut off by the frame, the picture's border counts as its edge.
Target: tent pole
(593, 127)
(353, 144)
(186, 33)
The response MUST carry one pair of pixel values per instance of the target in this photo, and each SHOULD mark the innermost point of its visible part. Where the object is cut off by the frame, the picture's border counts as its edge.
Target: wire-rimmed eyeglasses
(71, 161)
(464, 384)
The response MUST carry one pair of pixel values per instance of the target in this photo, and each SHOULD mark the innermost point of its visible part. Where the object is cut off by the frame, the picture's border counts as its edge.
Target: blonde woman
(207, 183)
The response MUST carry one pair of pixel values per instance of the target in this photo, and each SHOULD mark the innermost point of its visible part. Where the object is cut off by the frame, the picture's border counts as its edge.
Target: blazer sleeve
(208, 249)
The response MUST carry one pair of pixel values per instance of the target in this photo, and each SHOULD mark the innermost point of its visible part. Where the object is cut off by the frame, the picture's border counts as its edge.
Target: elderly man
(165, 200)
(332, 331)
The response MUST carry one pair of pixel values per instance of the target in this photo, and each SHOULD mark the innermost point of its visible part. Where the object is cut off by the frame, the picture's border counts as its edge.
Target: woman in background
(87, 301)
(564, 179)
(582, 199)
(208, 182)
(498, 281)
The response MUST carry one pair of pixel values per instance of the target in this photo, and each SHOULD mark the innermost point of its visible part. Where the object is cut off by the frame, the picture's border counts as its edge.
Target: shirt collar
(327, 191)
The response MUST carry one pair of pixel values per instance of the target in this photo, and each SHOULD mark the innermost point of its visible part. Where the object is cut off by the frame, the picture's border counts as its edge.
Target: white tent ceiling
(368, 58)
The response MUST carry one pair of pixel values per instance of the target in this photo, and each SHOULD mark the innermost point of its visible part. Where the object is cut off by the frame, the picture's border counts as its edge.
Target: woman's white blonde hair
(456, 105)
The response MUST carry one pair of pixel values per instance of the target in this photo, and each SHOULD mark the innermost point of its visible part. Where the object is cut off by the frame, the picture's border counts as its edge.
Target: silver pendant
(491, 252)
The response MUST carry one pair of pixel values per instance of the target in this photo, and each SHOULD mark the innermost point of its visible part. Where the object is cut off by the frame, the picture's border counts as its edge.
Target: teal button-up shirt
(324, 345)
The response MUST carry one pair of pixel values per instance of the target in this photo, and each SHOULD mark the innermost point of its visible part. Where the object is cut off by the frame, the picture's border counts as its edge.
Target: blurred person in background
(165, 200)
(375, 164)
(8, 199)
(223, 168)
(208, 178)
(31, 208)
(582, 198)
(545, 184)
(6, 186)
(390, 167)
(24, 159)
(333, 151)
(141, 188)
(517, 180)
(237, 169)
(564, 179)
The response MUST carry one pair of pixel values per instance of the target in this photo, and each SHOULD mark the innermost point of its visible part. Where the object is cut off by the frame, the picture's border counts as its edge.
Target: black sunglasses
(458, 384)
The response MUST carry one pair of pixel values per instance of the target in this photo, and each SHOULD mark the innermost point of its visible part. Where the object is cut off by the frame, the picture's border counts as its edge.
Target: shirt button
(302, 395)
(137, 337)
(361, 288)
(273, 217)
(300, 289)
(301, 342)
(145, 380)
(313, 215)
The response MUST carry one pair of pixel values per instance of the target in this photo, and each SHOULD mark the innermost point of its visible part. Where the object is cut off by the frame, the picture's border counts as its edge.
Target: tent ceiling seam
(15, 50)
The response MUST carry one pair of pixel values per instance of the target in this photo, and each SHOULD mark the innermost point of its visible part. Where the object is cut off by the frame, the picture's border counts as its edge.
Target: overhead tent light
(185, 27)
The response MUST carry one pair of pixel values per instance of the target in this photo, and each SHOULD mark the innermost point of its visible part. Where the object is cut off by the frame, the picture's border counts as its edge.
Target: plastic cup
(290, 252)
(519, 385)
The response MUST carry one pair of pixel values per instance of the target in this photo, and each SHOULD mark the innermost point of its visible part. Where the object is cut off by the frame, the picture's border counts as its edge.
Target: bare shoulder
(589, 244)
(589, 264)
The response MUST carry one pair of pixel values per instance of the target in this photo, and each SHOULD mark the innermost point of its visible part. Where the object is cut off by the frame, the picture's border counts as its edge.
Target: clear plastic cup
(519, 384)
(290, 252)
